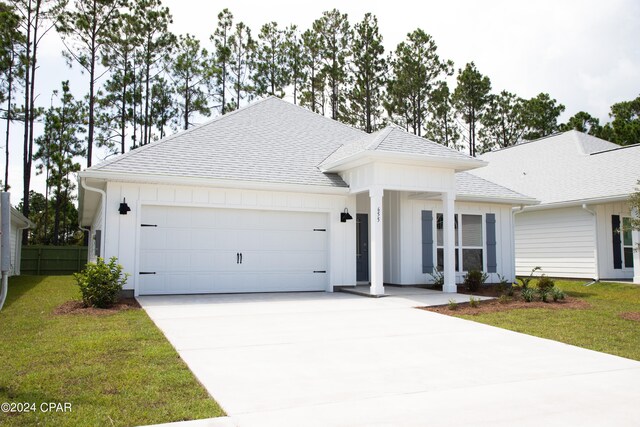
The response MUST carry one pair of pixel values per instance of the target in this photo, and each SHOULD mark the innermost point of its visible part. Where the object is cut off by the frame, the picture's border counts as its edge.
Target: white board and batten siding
(184, 210)
(560, 241)
(402, 223)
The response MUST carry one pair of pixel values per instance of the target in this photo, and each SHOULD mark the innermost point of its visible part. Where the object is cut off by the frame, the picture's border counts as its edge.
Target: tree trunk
(6, 144)
(26, 163)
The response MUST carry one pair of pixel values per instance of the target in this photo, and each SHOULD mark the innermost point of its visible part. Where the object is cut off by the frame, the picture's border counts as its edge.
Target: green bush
(528, 294)
(453, 304)
(545, 283)
(524, 281)
(100, 283)
(474, 302)
(474, 280)
(544, 294)
(557, 294)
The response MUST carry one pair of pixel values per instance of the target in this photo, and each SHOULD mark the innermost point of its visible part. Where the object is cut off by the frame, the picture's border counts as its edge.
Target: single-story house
(274, 197)
(580, 229)
(18, 223)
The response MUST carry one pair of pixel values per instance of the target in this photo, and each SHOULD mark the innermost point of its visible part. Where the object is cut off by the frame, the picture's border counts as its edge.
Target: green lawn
(597, 328)
(116, 369)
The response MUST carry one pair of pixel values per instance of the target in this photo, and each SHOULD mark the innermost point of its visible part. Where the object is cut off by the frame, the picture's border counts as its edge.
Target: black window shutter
(492, 259)
(427, 241)
(617, 244)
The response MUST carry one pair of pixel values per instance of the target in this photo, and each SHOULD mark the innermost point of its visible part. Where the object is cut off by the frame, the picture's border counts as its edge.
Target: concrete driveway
(319, 359)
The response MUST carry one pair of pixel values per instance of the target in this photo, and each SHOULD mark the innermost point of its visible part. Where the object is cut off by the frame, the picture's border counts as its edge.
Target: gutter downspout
(514, 212)
(595, 240)
(103, 200)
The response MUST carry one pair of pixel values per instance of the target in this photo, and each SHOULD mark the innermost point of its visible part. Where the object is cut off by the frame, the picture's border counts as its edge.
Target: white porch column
(448, 207)
(375, 246)
(635, 239)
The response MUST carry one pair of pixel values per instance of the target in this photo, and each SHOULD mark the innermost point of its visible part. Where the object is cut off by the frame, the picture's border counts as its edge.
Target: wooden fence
(52, 260)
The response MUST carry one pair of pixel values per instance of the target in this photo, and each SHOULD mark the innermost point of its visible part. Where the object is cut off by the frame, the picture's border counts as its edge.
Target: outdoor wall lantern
(345, 216)
(124, 207)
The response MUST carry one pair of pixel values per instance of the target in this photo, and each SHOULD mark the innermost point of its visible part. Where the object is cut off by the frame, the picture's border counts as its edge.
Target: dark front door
(362, 247)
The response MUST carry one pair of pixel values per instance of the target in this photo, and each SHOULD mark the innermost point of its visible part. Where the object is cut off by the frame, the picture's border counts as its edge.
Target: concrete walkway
(319, 359)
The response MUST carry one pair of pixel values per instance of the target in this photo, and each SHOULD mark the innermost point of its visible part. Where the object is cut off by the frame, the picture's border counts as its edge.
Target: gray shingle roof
(567, 167)
(395, 140)
(275, 141)
(469, 185)
(268, 141)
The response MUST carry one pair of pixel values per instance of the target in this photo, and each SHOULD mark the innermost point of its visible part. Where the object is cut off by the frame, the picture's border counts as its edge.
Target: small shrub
(544, 294)
(437, 277)
(545, 283)
(474, 302)
(100, 283)
(504, 299)
(524, 281)
(453, 304)
(557, 294)
(527, 294)
(474, 280)
(504, 287)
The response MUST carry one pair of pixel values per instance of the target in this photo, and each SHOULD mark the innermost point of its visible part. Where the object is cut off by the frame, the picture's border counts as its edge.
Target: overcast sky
(585, 54)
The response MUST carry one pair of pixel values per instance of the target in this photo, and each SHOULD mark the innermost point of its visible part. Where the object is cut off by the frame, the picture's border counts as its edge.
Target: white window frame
(623, 246)
(459, 246)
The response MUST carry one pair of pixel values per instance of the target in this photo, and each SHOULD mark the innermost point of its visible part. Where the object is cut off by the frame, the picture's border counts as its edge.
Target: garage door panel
(195, 250)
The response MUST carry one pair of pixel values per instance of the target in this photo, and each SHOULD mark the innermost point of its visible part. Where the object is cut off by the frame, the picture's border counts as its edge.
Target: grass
(599, 327)
(115, 369)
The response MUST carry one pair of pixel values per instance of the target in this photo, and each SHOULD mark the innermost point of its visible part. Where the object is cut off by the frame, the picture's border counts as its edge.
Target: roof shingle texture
(469, 185)
(268, 141)
(396, 140)
(567, 167)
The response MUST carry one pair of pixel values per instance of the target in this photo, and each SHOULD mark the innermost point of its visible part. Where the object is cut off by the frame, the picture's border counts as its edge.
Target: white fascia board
(525, 201)
(365, 157)
(579, 202)
(209, 182)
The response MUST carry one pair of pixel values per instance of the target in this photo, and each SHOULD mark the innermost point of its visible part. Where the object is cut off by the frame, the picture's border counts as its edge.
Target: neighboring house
(583, 184)
(18, 223)
(274, 197)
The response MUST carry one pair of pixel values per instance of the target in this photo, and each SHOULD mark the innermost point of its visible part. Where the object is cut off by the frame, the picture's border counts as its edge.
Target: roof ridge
(179, 133)
(384, 133)
(619, 147)
(352, 128)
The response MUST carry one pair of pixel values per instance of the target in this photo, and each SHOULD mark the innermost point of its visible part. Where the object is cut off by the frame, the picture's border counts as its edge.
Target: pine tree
(58, 148)
(502, 122)
(221, 59)
(335, 33)
(188, 71)
(272, 73)
(296, 60)
(85, 29)
(441, 125)
(369, 72)
(312, 90)
(242, 58)
(11, 69)
(120, 93)
(470, 98)
(153, 20)
(417, 69)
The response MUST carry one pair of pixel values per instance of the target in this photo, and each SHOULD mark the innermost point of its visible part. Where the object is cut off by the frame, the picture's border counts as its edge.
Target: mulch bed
(77, 307)
(632, 315)
(492, 306)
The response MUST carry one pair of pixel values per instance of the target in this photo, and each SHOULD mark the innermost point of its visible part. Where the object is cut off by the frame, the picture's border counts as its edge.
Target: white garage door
(201, 250)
